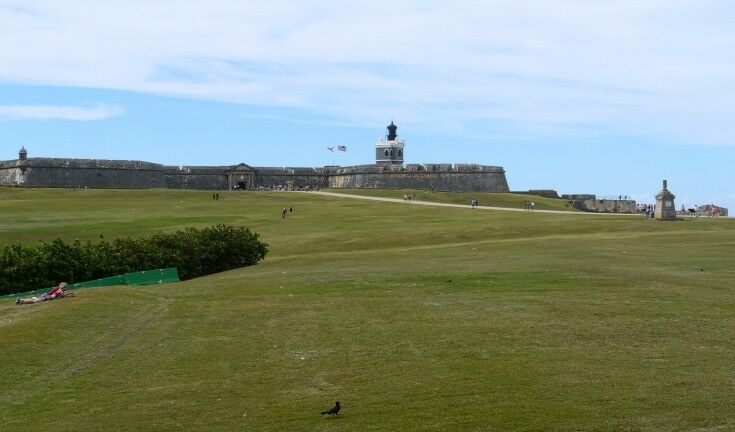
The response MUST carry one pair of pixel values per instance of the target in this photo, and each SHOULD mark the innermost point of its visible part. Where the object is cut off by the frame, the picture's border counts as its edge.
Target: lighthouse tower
(389, 150)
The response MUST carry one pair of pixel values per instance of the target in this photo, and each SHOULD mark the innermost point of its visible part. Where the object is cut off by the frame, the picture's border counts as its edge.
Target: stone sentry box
(665, 207)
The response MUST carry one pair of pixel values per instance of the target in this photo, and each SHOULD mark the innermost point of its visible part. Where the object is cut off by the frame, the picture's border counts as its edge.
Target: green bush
(194, 252)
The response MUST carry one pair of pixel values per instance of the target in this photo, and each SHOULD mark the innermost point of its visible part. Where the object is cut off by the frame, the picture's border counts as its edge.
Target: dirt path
(428, 203)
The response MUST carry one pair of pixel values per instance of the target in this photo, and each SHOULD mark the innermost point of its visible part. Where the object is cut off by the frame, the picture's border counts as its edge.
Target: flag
(342, 148)
(331, 149)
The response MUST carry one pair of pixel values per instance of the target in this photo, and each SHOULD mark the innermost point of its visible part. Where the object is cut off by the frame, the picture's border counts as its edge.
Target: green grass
(416, 319)
(490, 199)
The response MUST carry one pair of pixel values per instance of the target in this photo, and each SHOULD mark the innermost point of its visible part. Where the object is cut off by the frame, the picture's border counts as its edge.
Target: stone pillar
(665, 207)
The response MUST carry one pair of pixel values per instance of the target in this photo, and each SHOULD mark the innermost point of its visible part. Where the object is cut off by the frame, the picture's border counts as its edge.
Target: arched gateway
(240, 176)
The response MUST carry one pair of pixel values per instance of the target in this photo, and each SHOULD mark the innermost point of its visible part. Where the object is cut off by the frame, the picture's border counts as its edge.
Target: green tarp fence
(147, 277)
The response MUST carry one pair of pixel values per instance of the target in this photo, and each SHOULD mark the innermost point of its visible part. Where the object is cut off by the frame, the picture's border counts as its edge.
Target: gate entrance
(240, 177)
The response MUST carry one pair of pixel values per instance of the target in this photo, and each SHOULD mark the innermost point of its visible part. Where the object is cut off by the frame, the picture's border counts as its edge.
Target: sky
(603, 97)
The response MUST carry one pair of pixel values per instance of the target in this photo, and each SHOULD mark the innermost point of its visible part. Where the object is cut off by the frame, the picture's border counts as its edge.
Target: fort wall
(10, 174)
(605, 205)
(195, 177)
(298, 177)
(438, 177)
(94, 173)
(581, 197)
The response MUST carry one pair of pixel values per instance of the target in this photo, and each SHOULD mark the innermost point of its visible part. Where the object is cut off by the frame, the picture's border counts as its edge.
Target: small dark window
(386, 152)
(400, 153)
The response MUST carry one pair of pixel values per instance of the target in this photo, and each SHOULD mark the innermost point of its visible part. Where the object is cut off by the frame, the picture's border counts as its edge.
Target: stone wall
(193, 177)
(605, 206)
(581, 197)
(547, 193)
(707, 209)
(9, 173)
(438, 177)
(92, 173)
(270, 177)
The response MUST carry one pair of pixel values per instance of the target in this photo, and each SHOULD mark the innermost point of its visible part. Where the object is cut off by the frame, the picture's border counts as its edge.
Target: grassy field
(490, 199)
(415, 318)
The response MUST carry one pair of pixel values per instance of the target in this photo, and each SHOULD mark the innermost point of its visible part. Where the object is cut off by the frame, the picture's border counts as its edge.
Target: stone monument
(665, 209)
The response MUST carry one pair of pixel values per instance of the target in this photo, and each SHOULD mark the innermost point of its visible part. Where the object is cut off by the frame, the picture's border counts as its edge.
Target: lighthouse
(389, 150)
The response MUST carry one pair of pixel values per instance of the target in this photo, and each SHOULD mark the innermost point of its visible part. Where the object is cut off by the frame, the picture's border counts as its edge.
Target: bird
(334, 410)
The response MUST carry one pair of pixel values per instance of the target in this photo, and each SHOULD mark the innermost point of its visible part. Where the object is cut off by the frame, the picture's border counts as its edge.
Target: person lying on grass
(58, 291)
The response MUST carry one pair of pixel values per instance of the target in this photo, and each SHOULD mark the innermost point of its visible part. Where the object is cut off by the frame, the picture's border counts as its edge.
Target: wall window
(386, 152)
(400, 152)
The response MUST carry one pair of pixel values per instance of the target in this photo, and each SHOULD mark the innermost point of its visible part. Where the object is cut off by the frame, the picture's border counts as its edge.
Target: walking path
(438, 204)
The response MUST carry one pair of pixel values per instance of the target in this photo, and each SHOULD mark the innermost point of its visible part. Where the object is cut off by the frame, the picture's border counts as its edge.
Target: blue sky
(578, 96)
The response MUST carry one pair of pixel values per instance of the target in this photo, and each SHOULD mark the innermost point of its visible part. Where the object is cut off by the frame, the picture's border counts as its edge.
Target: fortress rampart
(297, 177)
(195, 177)
(93, 173)
(388, 172)
(439, 177)
(74, 173)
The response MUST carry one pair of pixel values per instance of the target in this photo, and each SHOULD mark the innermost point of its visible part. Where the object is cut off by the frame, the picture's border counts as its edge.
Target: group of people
(215, 196)
(712, 210)
(474, 203)
(646, 209)
(408, 197)
(529, 205)
(58, 291)
(272, 188)
(282, 188)
(285, 211)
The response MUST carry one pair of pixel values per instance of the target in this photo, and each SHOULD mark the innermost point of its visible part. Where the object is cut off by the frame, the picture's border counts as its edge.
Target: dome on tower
(392, 131)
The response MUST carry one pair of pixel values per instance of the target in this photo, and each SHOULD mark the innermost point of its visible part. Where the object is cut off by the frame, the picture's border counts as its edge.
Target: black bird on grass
(334, 410)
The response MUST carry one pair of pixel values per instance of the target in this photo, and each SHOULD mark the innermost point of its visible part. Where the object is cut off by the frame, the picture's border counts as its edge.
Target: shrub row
(194, 252)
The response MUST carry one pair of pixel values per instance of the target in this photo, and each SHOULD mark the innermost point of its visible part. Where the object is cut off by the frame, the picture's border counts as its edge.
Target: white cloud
(51, 112)
(531, 68)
